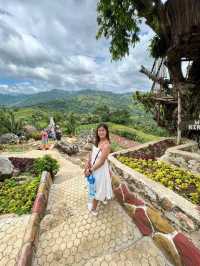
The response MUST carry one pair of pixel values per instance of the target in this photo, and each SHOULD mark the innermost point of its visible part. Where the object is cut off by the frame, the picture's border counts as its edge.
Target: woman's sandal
(94, 212)
(89, 205)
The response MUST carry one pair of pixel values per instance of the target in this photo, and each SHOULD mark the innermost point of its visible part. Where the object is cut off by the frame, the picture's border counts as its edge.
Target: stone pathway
(12, 229)
(70, 235)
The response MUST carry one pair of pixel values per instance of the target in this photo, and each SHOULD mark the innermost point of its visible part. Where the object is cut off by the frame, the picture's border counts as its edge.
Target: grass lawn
(15, 148)
(124, 131)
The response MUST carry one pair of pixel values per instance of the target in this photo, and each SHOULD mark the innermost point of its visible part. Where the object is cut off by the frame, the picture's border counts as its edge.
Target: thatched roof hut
(183, 27)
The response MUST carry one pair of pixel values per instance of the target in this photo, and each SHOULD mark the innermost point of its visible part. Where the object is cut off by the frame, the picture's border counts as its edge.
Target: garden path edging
(129, 184)
(38, 210)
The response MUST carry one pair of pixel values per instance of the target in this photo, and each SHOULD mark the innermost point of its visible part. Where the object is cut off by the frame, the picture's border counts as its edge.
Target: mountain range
(79, 101)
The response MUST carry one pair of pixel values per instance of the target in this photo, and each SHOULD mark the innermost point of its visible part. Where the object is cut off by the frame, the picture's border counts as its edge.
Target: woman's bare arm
(104, 155)
(88, 163)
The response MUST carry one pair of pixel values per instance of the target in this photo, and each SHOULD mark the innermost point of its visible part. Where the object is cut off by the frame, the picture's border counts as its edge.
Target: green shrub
(115, 146)
(72, 121)
(131, 133)
(85, 128)
(184, 183)
(17, 198)
(46, 163)
(35, 135)
(128, 134)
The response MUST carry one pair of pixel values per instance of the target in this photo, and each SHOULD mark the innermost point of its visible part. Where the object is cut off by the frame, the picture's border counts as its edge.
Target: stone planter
(38, 210)
(157, 210)
(22, 164)
(186, 156)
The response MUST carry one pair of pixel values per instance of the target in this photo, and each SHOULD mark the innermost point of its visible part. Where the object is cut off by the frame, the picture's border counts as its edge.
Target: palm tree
(9, 122)
(71, 123)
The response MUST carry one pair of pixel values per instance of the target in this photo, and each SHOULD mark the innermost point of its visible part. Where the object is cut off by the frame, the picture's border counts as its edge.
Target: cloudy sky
(51, 45)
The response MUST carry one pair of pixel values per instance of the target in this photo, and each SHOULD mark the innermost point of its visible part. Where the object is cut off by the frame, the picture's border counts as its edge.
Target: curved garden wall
(157, 210)
(186, 156)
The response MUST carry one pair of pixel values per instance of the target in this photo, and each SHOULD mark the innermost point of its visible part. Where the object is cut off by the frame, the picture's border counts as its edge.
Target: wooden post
(179, 117)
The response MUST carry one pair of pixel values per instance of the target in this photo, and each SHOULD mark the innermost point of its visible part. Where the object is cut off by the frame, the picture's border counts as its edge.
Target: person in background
(44, 136)
(58, 133)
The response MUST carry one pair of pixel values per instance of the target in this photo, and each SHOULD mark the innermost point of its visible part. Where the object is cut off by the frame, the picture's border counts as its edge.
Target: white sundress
(102, 178)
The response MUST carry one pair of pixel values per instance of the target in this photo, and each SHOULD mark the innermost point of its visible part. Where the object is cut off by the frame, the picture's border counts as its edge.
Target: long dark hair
(97, 138)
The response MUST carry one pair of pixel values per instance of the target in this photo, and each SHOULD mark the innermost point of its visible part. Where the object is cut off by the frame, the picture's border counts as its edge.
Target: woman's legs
(95, 203)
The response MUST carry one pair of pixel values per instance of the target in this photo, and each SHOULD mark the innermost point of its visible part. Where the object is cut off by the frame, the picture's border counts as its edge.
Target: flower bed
(144, 186)
(22, 164)
(184, 183)
(158, 183)
(17, 198)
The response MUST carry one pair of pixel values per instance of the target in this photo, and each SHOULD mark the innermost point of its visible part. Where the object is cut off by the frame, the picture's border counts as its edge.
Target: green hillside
(88, 106)
(80, 101)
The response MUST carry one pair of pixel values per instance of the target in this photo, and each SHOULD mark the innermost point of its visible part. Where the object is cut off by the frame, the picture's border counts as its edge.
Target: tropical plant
(103, 112)
(120, 116)
(17, 198)
(46, 163)
(9, 122)
(71, 123)
(36, 135)
(38, 117)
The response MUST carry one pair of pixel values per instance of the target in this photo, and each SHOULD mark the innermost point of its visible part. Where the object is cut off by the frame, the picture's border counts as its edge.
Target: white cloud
(52, 44)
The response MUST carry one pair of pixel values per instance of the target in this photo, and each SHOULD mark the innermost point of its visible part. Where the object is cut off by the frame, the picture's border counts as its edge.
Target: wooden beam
(167, 101)
(159, 80)
(157, 73)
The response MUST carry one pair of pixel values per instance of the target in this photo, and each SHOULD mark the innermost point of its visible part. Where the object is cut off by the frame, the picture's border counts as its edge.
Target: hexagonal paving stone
(82, 235)
(12, 230)
(142, 253)
(71, 235)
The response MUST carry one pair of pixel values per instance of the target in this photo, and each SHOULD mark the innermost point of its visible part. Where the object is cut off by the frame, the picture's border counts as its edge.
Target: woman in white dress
(100, 169)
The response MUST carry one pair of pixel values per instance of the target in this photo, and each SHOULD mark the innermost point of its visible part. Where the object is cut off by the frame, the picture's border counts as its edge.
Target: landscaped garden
(17, 193)
(184, 183)
(17, 198)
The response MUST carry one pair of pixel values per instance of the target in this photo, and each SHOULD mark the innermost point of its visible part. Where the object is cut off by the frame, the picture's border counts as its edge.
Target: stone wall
(186, 156)
(170, 219)
(32, 229)
(151, 151)
(173, 206)
(22, 164)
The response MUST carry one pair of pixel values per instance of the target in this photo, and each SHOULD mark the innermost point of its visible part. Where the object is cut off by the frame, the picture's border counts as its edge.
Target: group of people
(53, 133)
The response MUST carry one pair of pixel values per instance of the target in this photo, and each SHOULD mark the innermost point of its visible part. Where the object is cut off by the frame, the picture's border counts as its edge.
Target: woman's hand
(91, 169)
(87, 172)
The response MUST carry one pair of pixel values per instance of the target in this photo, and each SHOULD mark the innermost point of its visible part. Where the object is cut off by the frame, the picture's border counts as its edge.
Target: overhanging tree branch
(159, 80)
